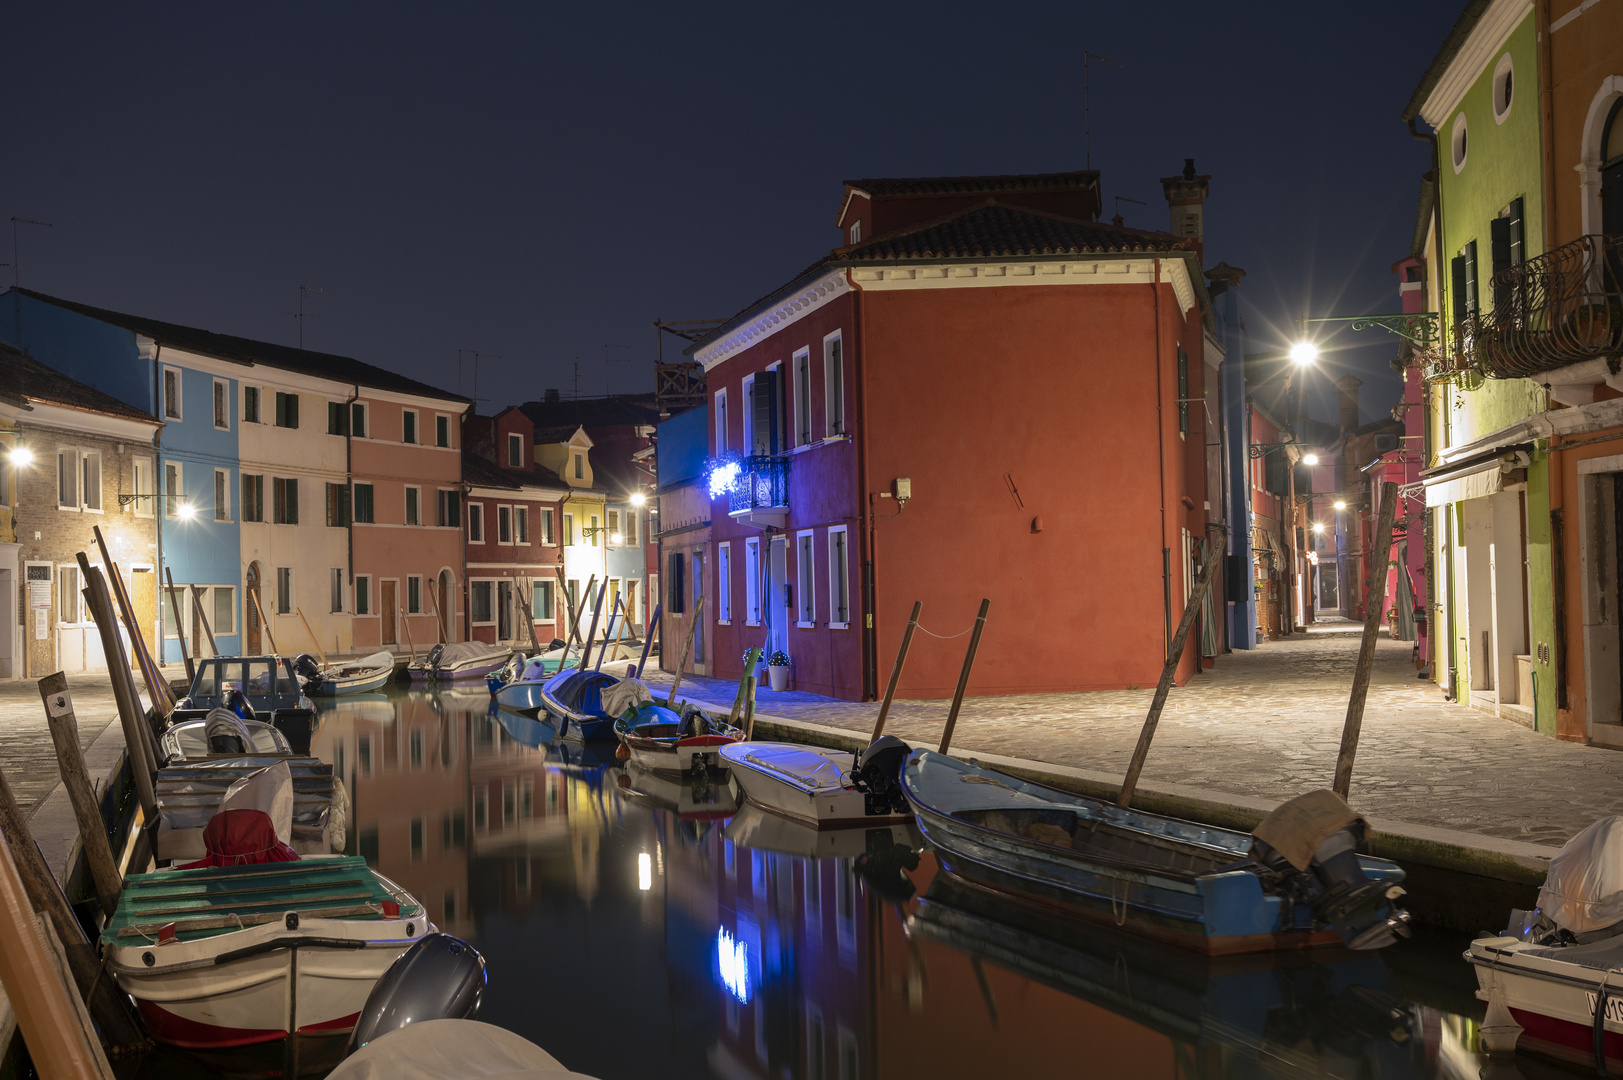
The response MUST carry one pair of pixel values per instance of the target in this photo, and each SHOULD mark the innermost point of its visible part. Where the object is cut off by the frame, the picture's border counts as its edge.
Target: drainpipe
(1546, 97)
(1161, 461)
(870, 632)
(349, 478)
(157, 489)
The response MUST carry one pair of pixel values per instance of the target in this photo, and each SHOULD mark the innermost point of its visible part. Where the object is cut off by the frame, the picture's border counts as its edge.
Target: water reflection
(638, 927)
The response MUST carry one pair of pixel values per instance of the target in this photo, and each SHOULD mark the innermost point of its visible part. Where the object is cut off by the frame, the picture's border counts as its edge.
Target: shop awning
(1475, 477)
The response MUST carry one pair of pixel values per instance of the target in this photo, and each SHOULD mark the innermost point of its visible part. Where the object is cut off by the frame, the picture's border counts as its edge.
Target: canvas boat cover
(1584, 888)
(820, 772)
(241, 838)
(451, 1050)
(466, 652)
(365, 665)
(623, 695)
(1296, 828)
(268, 790)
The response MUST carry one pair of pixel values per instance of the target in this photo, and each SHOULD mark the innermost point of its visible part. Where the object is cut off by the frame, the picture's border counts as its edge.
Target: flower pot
(780, 677)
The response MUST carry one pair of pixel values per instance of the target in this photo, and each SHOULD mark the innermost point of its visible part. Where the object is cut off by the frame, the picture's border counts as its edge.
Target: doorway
(386, 608)
(504, 611)
(444, 590)
(251, 612)
(777, 602)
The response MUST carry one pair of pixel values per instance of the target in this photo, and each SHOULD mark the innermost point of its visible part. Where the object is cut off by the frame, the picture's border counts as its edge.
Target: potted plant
(1592, 325)
(777, 666)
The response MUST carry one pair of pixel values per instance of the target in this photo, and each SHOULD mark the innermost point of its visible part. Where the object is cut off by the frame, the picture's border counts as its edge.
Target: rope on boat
(944, 637)
(1121, 914)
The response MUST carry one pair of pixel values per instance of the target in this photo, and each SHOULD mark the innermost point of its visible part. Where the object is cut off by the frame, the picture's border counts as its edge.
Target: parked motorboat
(574, 700)
(361, 676)
(452, 1050)
(664, 741)
(1213, 890)
(459, 660)
(269, 685)
(232, 955)
(192, 792)
(521, 668)
(222, 732)
(822, 787)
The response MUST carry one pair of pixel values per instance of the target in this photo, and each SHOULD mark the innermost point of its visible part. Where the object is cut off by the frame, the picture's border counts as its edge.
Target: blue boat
(526, 669)
(574, 700)
(1217, 891)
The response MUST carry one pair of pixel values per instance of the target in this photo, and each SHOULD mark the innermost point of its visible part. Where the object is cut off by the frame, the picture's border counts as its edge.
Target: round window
(1503, 88)
(1457, 141)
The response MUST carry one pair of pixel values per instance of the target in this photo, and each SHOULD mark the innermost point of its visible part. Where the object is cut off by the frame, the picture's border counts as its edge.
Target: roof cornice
(1113, 269)
(1457, 74)
(768, 319)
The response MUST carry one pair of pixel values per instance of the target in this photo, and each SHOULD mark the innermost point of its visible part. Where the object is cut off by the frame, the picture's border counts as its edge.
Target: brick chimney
(550, 394)
(1347, 389)
(1186, 198)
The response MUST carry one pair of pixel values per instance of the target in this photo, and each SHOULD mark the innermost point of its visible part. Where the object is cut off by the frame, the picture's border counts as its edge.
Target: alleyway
(1268, 724)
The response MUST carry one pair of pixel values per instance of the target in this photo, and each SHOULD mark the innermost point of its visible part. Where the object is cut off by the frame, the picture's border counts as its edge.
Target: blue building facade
(196, 483)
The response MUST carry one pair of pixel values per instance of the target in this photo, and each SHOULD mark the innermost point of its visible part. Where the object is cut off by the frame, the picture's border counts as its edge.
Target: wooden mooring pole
(202, 617)
(687, 647)
(896, 672)
(591, 633)
(1380, 557)
(53, 691)
(139, 743)
(317, 641)
(180, 628)
(1208, 567)
(963, 676)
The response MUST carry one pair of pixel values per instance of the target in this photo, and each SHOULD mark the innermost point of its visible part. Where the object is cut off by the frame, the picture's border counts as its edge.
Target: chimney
(1186, 197)
(550, 394)
(1347, 387)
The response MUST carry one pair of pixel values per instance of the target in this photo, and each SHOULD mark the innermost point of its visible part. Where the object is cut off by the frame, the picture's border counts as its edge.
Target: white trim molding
(1588, 167)
(1131, 271)
(1485, 39)
(770, 320)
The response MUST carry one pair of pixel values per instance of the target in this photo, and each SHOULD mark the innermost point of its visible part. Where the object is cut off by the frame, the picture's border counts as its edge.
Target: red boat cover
(241, 838)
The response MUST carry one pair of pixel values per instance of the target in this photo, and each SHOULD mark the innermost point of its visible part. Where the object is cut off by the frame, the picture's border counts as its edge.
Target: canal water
(638, 928)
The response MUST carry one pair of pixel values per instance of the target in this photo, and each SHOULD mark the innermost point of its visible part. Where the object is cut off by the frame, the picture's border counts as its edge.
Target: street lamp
(1340, 504)
(1318, 526)
(638, 498)
(1304, 353)
(1310, 459)
(186, 511)
(20, 455)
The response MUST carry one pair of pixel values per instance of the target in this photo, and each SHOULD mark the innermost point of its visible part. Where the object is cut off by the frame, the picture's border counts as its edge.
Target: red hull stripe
(1565, 1039)
(179, 1031)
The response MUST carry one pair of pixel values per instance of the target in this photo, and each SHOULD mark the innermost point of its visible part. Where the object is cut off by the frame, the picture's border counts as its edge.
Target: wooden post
(752, 660)
(574, 622)
(1208, 567)
(180, 628)
(687, 648)
(591, 633)
(608, 632)
(202, 617)
(529, 612)
(317, 641)
(270, 637)
(896, 672)
(963, 676)
(400, 616)
(1374, 607)
(50, 1023)
(569, 609)
(647, 641)
(138, 741)
(439, 621)
(53, 691)
(157, 688)
(45, 896)
(749, 703)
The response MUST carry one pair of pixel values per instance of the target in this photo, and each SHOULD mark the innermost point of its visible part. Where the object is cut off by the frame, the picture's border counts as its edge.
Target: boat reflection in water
(639, 926)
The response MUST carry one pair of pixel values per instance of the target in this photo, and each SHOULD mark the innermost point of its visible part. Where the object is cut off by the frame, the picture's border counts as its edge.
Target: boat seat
(1602, 955)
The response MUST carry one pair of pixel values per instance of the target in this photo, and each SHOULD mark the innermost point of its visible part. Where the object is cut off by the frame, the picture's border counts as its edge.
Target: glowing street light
(20, 455)
(1318, 526)
(616, 538)
(638, 498)
(1304, 353)
(1310, 459)
(186, 511)
(1340, 504)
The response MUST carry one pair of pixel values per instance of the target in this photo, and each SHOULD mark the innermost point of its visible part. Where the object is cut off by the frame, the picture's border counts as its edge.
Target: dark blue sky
(541, 181)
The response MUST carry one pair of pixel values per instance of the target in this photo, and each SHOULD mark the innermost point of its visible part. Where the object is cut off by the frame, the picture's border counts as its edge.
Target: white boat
(222, 732)
(459, 660)
(229, 956)
(758, 830)
(451, 1050)
(191, 793)
(811, 784)
(361, 676)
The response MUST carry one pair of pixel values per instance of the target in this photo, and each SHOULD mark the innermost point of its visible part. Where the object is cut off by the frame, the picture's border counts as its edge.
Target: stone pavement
(1267, 724)
(26, 752)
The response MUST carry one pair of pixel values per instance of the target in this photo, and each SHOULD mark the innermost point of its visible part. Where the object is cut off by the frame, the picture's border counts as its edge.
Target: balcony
(1562, 310)
(759, 496)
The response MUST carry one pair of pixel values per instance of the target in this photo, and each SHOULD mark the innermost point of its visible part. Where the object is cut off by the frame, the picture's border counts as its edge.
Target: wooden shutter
(765, 412)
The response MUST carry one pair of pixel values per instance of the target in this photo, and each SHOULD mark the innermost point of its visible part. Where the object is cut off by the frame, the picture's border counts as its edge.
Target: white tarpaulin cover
(270, 790)
(818, 770)
(451, 1050)
(463, 652)
(1584, 888)
(623, 695)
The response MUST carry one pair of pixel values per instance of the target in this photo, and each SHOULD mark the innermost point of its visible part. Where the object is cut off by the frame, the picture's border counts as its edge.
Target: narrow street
(26, 751)
(1267, 724)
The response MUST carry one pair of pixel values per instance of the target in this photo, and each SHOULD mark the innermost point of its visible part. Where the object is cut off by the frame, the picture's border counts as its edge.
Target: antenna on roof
(1121, 199)
(16, 263)
(607, 360)
(476, 354)
(304, 290)
(1087, 103)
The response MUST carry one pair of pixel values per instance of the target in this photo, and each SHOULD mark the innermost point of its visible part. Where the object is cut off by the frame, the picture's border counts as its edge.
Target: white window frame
(142, 507)
(292, 586)
(366, 419)
(509, 509)
(630, 525)
(747, 399)
(752, 581)
(406, 505)
(222, 482)
(569, 529)
(515, 441)
(179, 414)
(839, 573)
(548, 537)
(221, 399)
(85, 457)
(475, 512)
(58, 583)
(721, 421)
(611, 525)
(416, 428)
(577, 463)
(806, 579)
(221, 627)
(172, 500)
(550, 587)
(724, 584)
(259, 404)
(67, 465)
(489, 583)
(448, 426)
(800, 364)
(521, 526)
(834, 389)
(355, 596)
(414, 579)
(856, 232)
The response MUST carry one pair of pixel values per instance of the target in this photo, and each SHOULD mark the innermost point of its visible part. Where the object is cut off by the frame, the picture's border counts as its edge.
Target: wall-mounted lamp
(183, 509)
(1318, 526)
(20, 455)
(638, 498)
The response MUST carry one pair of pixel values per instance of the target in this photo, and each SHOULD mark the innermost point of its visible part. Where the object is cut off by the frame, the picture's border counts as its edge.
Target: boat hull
(359, 684)
(1553, 1001)
(821, 809)
(522, 697)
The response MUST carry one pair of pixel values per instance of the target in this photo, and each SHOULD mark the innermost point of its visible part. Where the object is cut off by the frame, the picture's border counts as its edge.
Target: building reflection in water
(637, 926)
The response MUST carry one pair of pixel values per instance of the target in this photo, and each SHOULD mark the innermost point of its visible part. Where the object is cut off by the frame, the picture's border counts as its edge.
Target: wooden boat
(361, 676)
(459, 660)
(664, 741)
(270, 685)
(574, 700)
(521, 668)
(823, 788)
(229, 956)
(690, 800)
(189, 794)
(1176, 881)
(189, 741)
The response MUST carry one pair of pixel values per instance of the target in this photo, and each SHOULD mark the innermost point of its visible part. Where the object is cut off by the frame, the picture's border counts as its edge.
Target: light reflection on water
(635, 927)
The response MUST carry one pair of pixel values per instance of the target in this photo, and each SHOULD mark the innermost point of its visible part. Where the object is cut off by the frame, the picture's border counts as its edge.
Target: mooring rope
(944, 637)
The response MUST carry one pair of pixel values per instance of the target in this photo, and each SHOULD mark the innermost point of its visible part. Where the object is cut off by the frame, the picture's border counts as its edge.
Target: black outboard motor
(878, 775)
(432, 663)
(236, 702)
(439, 978)
(308, 671)
(1364, 913)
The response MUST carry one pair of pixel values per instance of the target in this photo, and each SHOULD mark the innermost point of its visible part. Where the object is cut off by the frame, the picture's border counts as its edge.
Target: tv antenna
(1121, 199)
(607, 360)
(16, 262)
(304, 290)
(476, 354)
(1087, 103)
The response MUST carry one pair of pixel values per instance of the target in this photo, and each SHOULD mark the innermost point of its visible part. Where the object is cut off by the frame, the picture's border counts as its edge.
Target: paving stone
(26, 752)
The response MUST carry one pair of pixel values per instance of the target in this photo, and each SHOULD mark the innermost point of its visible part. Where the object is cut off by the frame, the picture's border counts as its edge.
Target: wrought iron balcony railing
(762, 485)
(1561, 308)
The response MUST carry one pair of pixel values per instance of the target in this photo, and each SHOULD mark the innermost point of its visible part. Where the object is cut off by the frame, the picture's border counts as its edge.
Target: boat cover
(464, 652)
(581, 691)
(797, 763)
(351, 668)
(241, 838)
(1584, 888)
(623, 695)
(451, 1050)
(1296, 828)
(268, 790)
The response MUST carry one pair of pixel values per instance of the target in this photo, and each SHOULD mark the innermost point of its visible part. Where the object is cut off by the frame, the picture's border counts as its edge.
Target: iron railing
(762, 484)
(1561, 308)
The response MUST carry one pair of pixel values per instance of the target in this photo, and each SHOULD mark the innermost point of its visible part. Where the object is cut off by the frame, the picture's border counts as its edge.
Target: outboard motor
(878, 775)
(308, 671)
(432, 663)
(439, 978)
(236, 702)
(1312, 843)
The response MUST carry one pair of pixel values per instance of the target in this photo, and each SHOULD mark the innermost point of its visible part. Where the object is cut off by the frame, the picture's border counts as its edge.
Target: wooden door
(444, 598)
(386, 608)
(250, 612)
(144, 601)
(504, 611)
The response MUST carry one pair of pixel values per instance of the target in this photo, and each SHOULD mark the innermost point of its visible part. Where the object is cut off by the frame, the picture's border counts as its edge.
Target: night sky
(539, 182)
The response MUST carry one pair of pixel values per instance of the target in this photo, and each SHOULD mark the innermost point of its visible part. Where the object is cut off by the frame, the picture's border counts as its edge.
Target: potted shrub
(777, 666)
(1592, 325)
